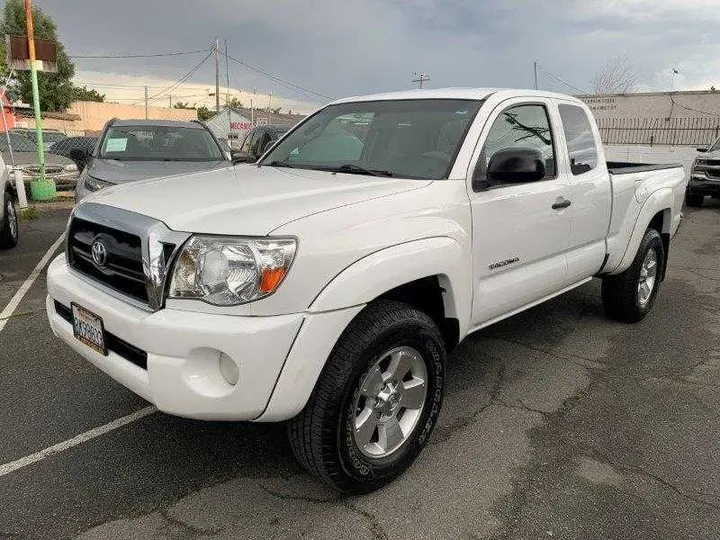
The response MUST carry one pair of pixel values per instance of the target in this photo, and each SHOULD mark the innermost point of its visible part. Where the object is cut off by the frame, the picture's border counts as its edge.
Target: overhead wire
(182, 79)
(541, 68)
(279, 80)
(154, 55)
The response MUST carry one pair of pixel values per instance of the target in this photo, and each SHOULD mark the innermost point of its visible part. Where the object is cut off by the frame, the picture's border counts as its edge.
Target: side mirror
(80, 157)
(238, 156)
(702, 149)
(515, 166)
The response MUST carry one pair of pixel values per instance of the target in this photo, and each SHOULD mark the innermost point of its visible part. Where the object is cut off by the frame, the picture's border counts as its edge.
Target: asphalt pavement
(558, 423)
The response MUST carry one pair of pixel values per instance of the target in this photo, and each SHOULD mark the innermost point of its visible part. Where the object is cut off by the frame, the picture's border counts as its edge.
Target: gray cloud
(340, 48)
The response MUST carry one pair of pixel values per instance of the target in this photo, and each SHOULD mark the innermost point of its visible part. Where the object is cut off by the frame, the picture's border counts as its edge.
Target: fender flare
(383, 270)
(660, 201)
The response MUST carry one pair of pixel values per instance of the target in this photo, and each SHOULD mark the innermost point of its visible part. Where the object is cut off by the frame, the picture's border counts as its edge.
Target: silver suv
(9, 230)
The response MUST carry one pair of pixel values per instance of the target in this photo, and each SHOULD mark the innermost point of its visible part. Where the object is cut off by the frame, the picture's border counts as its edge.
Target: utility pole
(269, 108)
(535, 71)
(146, 102)
(217, 75)
(170, 96)
(227, 75)
(36, 93)
(421, 78)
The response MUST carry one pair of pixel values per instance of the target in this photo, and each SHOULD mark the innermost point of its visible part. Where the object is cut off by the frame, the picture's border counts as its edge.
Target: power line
(287, 84)
(182, 79)
(561, 80)
(156, 55)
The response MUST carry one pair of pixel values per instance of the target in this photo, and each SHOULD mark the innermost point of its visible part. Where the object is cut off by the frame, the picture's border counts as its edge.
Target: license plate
(88, 328)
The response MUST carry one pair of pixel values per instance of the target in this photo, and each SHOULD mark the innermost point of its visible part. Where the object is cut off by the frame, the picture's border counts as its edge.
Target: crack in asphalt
(522, 407)
(443, 433)
(567, 356)
(376, 528)
(660, 480)
(288, 497)
(187, 531)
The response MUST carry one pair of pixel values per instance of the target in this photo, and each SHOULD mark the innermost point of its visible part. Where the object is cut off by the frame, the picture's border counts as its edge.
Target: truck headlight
(95, 184)
(227, 271)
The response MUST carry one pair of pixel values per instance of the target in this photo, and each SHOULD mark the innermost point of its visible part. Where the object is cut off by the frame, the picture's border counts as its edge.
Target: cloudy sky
(346, 47)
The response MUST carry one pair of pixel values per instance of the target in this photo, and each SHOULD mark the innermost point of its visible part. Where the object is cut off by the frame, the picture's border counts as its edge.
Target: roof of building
(28, 113)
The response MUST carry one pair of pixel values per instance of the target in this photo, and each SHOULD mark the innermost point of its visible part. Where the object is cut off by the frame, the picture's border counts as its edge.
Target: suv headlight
(70, 167)
(227, 271)
(95, 184)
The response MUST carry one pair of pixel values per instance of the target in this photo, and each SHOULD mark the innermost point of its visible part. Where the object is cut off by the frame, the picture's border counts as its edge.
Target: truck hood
(246, 200)
(119, 172)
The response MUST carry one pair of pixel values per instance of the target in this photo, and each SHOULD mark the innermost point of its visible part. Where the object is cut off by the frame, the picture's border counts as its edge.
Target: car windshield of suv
(19, 143)
(159, 143)
(403, 138)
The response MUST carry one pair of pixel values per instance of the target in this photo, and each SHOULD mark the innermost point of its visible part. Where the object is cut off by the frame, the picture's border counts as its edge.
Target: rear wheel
(376, 402)
(630, 296)
(9, 229)
(694, 201)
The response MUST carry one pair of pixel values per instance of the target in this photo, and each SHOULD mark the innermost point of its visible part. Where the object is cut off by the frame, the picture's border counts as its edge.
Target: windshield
(406, 139)
(159, 143)
(19, 143)
(715, 147)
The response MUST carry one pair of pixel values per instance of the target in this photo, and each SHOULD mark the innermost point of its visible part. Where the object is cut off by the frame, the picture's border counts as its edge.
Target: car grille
(123, 268)
(713, 168)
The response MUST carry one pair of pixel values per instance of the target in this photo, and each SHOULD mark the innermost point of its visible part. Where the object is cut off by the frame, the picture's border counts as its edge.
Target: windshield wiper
(277, 163)
(356, 169)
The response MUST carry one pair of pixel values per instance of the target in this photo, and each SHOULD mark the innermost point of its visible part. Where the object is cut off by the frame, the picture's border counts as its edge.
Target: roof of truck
(452, 93)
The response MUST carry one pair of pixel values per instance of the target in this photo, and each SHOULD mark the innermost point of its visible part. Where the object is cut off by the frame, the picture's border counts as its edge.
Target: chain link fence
(660, 131)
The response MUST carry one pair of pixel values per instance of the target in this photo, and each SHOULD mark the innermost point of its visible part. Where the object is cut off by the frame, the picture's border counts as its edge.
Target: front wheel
(9, 229)
(376, 402)
(629, 296)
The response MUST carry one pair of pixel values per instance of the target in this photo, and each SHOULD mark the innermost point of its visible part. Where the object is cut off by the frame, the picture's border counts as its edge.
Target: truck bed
(625, 167)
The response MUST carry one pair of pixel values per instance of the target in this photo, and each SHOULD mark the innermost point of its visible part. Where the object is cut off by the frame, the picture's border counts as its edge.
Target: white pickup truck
(326, 284)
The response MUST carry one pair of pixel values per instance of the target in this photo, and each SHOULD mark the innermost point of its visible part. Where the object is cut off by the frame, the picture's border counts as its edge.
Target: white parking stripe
(83, 437)
(15, 300)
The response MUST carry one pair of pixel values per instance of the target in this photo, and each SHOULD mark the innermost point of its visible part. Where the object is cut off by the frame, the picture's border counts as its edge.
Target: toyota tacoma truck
(326, 284)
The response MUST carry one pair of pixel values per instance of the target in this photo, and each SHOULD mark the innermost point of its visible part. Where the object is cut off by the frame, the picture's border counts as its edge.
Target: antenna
(421, 78)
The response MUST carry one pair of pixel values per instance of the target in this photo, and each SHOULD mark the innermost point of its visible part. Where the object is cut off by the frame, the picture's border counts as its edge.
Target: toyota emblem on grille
(99, 253)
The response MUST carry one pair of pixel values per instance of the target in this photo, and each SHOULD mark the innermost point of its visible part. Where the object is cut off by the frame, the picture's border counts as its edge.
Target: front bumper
(183, 349)
(704, 186)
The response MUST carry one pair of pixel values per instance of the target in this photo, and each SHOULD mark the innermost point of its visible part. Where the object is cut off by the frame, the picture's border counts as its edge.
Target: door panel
(590, 193)
(518, 223)
(519, 240)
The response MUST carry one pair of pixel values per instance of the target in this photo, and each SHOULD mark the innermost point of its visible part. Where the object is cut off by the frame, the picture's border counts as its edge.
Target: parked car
(259, 139)
(76, 148)
(59, 169)
(131, 150)
(50, 136)
(704, 176)
(9, 228)
(327, 285)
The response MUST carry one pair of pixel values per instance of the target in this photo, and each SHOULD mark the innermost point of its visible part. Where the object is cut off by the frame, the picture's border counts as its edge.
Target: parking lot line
(25, 287)
(7, 468)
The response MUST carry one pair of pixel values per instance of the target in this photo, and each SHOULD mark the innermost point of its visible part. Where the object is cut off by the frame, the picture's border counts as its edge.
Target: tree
(617, 76)
(56, 89)
(204, 113)
(235, 103)
(87, 94)
(181, 105)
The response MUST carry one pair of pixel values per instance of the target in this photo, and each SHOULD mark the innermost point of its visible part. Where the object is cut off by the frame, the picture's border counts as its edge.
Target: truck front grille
(122, 268)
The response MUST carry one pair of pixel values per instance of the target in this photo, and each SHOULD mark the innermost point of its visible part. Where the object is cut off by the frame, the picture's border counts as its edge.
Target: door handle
(560, 203)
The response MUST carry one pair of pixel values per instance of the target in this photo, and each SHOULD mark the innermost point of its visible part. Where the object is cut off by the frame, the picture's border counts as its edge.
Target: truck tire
(629, 296)
(9, 228)
(376, 402)
(694, 201)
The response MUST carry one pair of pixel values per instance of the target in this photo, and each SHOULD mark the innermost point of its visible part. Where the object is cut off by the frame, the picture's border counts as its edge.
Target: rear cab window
(579, 137)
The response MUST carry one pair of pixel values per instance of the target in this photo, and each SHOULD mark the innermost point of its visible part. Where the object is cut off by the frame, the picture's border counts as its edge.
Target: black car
(259, 139)
(76, 148)
(704, 176)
